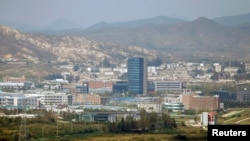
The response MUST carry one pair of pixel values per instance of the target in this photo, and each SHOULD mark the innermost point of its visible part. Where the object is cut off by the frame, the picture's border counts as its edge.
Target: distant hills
(36, 47)
(216, 39)
(132, 24)
(201, 38)
(233, 20)
(64, 24)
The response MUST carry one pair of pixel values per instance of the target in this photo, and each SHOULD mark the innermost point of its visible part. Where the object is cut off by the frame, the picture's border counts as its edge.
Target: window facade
(137, 75)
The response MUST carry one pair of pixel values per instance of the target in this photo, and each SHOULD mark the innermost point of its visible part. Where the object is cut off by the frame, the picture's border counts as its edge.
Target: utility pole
(23, 127)
(159, 125)
(57, 128)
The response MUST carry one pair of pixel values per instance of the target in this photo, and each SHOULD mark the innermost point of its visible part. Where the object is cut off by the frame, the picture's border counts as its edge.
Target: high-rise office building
(137, 75)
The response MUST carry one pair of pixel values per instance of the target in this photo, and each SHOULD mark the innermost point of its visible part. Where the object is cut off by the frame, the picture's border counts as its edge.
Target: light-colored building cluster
(45, 98)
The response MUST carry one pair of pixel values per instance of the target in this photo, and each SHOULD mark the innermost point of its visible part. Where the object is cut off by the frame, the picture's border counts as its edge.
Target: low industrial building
(90, 99)
(163, 86)
(108, 116)
(173, 107)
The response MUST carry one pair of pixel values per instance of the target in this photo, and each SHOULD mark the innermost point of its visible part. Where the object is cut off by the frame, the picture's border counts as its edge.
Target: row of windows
(55, 99)
(168, 85)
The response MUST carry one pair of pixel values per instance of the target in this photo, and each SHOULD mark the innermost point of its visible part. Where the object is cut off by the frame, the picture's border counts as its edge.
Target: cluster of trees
(47, 124)
(148, 122)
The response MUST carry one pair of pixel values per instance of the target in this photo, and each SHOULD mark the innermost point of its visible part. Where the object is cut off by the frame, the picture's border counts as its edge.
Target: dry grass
(132, 137)
(241, 116)
(144, 137)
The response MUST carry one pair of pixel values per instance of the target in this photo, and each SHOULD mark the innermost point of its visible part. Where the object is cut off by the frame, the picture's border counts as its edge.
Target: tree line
(148, 122)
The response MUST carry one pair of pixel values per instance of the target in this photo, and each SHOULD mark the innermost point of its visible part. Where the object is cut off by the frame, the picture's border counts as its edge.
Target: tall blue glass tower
(137, 75)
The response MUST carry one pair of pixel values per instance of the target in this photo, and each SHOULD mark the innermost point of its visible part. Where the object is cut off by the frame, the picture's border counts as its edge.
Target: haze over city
(124, 70)
(84, 13)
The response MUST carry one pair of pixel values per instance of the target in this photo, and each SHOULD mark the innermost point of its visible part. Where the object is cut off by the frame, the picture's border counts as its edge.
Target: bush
(180, 137)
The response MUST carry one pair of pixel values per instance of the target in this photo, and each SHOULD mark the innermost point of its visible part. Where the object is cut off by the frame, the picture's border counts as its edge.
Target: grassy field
(190, 134)
(143, 137)
(48, 132)
(235, 116)
(77, 132)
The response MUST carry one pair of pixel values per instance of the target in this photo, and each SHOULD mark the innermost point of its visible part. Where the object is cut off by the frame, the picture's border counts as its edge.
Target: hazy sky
(89, 12)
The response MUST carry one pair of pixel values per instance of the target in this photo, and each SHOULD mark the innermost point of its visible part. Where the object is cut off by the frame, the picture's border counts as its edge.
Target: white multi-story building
(49, 98)
(168, 85)
(217, 67)
(16, 100)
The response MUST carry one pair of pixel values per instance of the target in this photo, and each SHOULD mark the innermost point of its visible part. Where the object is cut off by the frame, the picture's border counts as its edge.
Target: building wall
(120, 87)
(168, 85)
(18, 101)
(21, 79)
(82, 88)
(108, 116)
(150, 107)
(137, 75)
(55, 98)
(217, 67)
(100, 84)
(196, 102)
(204, 118)
(11, 85)
(92, 99)
(225, 95)
(243, 96)
(174, 107)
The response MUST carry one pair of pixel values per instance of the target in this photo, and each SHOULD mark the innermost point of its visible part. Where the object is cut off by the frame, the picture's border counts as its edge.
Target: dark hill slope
(199, 38)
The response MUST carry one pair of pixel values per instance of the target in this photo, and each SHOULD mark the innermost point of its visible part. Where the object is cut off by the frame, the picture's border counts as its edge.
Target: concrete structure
(212, 118)
(18, 100)
(197, 102)
(231, 70)
(100, 86)
(27, 85)
(105, 100)
(21, 79)
(243, 96)
(217, 67)
(91, 99)
(173, 107)
(247, 67)
(52, 98)
(204, 118)
(150, 87)
(168, 85)
(226, 96)
(11, 85)
(56, 84)
(208, 118)
(82, 88)
(108, 116)
(120, 87)
(150, 107)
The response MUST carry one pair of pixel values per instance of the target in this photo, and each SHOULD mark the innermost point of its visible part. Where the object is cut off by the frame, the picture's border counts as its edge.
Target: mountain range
(18, 45)
(215, 39)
